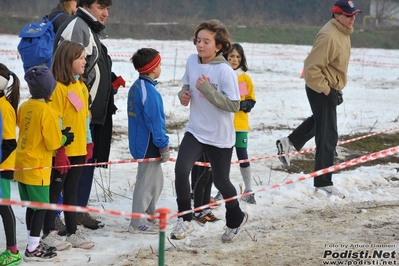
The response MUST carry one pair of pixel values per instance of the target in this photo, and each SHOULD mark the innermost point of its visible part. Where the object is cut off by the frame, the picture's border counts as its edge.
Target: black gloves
(340, 96)
(336, 96)
(247, 105)
(70, 136)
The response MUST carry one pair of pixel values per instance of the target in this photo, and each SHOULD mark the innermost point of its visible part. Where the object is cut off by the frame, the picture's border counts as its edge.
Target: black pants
(190, 150)
(9, 223)
(323, 126)
(242, 154)
(68, 183)
(8, 216)
(201, 182)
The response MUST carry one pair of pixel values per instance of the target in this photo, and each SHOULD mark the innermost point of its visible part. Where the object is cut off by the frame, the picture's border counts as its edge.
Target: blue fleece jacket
(146, 119)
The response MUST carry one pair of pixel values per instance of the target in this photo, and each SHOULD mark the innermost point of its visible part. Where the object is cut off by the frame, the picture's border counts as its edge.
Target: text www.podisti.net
(363, 257)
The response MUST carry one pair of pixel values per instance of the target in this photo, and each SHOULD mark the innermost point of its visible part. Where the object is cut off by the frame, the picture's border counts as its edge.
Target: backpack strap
(59, 14)
(46, 18)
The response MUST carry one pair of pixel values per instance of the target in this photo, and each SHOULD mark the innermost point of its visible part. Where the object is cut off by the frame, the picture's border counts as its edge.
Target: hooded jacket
(213, 104)
(85, 29)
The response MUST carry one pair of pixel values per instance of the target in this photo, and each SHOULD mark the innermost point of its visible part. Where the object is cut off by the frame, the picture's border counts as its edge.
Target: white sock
(33, 242)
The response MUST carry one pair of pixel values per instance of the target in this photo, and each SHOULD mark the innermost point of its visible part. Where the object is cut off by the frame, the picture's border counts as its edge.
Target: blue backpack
(36, 44)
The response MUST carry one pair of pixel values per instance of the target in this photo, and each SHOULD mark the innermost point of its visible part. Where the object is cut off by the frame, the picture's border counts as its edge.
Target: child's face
(234, 59)
(157, 72)
(206, 45)
(78, 65)
(73, 5)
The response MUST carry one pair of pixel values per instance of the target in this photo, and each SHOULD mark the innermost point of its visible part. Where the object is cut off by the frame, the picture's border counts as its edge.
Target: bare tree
(385, 12)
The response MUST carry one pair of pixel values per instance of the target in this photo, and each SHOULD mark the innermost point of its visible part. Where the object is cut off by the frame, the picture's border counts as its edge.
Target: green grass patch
(305, 162)
(299, 35)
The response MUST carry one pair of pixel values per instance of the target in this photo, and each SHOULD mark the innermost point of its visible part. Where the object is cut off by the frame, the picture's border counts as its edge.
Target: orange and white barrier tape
(70, 208)
(86, 164)
(206, 164)
(343, 165)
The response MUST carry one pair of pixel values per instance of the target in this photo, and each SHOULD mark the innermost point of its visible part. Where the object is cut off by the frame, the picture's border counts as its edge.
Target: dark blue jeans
(85, 183)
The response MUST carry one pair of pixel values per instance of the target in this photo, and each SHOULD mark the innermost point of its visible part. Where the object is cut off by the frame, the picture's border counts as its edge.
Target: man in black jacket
(87, 27)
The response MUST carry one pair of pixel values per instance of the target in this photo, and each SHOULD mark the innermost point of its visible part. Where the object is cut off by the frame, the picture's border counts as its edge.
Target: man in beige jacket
(325, 73)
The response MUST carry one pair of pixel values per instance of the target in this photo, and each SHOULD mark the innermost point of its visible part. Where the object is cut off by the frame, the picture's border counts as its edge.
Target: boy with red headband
(147, 137)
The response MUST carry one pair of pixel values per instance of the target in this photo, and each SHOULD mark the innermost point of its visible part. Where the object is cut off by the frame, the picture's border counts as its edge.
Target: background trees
(242, 12)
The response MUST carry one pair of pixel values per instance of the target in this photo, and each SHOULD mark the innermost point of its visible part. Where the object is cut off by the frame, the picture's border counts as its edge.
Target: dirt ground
(357, 230)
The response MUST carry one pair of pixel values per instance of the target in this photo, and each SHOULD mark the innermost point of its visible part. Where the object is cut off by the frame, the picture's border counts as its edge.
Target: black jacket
(83, 29)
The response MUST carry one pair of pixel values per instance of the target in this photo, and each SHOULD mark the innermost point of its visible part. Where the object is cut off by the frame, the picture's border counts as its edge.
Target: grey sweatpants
(148, 188)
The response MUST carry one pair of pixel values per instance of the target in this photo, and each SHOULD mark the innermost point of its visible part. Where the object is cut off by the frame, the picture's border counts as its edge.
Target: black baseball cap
(345, 7)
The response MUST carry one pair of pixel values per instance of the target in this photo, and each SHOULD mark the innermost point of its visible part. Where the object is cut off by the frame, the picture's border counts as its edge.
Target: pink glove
(61, 159)
(119, 81)
(89, 149)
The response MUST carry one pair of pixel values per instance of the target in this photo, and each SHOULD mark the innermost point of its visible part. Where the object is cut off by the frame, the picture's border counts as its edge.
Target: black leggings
(201, 182)
(190, 150)
(7, 214)
(34, 220)
(68, 183)
(242, 154)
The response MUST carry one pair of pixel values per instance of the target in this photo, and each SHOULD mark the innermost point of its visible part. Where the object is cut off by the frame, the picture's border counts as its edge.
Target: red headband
(150, 66)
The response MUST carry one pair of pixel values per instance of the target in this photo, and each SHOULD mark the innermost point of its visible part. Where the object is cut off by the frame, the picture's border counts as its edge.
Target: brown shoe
(88, 221)
(60, 226)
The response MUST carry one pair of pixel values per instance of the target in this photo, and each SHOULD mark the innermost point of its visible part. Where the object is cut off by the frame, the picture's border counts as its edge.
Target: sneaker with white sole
(200, 218)
(330, 191)
(78, 241)
(218, 196)
(250, 199)
(212, 217)
(54, 240)
(211, 201)
(143, 229)
(181, 229)
(284, 147)
(41, 253)
(231, 234)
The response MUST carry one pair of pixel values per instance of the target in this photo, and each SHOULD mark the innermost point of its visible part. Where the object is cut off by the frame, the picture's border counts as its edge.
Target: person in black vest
(87, 27)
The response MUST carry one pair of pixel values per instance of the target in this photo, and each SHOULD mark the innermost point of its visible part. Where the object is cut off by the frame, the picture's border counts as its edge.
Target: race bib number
(243, 88)
(75, 100)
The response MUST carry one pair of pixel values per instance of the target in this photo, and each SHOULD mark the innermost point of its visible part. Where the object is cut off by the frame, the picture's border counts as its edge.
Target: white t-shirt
(208, 123)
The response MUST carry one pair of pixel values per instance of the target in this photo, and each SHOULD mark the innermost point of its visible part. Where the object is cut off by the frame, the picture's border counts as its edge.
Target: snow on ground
(290, 225)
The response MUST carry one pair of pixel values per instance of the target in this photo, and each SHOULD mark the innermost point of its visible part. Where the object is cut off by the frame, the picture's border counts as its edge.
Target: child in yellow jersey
(9, 99)
(39, 136)
(70, 101)
(238, 62)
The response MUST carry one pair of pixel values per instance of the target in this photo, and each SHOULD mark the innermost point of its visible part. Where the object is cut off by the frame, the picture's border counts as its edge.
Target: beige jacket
(327, 63)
